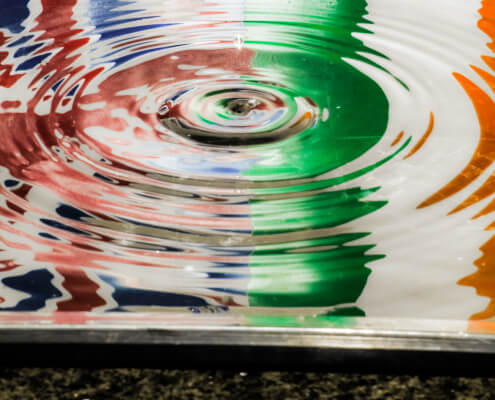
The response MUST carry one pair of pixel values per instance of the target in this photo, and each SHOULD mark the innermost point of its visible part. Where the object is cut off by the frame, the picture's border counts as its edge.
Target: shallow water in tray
(234, 153)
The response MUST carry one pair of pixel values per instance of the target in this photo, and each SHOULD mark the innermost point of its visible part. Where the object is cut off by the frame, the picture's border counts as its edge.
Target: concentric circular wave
(187, 153)
(236, 112)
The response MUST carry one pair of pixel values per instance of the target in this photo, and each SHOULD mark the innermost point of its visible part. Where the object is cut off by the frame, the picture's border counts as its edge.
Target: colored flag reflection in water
(231, 153)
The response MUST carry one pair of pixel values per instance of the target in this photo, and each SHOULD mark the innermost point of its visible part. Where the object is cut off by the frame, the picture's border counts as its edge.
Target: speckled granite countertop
(84, 384)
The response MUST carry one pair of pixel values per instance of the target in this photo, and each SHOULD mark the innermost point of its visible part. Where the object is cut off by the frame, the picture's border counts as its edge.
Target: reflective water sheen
(244, 153)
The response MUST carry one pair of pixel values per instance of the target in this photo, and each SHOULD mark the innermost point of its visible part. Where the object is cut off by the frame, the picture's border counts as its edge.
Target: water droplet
(242, 106)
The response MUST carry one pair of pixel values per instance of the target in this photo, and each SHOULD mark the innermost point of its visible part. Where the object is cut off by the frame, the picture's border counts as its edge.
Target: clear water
(226, 153)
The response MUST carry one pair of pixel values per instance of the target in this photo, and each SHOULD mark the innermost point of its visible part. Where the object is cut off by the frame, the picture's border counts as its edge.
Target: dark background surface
(92, 384)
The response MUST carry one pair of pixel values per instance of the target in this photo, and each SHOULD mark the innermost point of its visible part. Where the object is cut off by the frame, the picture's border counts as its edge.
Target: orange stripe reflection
(475, 326)
(397, 139)
(483, 280)
(424, 138)
(484, 155)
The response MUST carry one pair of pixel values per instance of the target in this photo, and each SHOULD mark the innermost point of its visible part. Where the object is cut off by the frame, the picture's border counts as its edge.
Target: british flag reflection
(97, 211)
